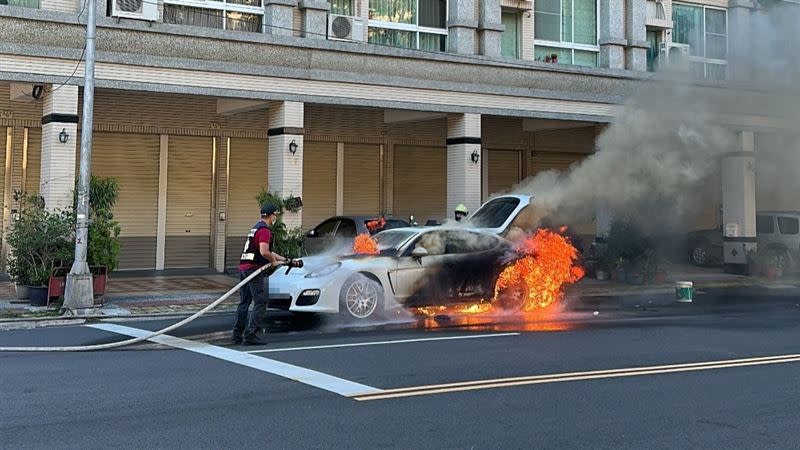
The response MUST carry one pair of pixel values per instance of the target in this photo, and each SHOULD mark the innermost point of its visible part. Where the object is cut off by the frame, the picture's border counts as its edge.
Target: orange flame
(376, 225)
(536, 280)
(364, 244)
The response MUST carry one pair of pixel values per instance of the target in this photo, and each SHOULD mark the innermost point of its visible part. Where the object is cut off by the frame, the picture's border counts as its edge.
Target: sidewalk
(181, 295)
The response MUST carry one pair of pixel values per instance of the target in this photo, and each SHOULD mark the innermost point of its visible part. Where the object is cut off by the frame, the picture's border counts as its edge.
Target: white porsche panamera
(417, 266)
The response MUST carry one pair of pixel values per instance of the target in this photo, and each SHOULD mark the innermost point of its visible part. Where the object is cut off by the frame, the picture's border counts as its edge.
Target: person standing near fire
(258, 252)
(461, 212)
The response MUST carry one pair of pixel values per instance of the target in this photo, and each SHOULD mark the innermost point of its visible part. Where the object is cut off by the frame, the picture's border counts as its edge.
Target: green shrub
(288, 243)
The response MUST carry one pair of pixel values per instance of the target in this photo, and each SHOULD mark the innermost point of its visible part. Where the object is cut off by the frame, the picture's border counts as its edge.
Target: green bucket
(684, 291)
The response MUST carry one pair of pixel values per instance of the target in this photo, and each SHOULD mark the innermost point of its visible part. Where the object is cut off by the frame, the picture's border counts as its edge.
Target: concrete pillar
(490, 28)
(636, 33)
(739, 35)
(612, 34)
(222, 152)
(286, 168)
(57, 173)
(461, 26)
(739, 202)
(463, 174)
(278, 16)
(315, 18)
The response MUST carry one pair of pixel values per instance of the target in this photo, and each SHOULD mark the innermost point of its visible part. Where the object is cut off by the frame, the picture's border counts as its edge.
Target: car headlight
(327, 270)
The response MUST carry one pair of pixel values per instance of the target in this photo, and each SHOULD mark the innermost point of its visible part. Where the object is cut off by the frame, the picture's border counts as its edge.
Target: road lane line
(300, 374)
(574, 376)
(399, 341)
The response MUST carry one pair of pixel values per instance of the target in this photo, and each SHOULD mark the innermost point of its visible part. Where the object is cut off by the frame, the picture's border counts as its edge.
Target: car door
(473, 263)
(321, 238)
(422, 280)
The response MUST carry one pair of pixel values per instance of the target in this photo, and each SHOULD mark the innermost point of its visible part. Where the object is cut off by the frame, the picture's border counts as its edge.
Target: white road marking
(575, 376)
(300, 374)
(399, 341)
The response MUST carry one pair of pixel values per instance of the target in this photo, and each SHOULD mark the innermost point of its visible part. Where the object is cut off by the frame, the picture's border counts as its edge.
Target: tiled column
(612, 34)
(315, 18)
(636, 52)
(739, 201)
(286, 168)
(490, 27)
(278, 16)
(223, 147)
(739, 36)
(463, 174)
(57, 176)
(461, 26)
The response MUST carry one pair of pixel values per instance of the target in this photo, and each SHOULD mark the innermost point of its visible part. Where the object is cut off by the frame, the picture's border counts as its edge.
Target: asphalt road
(482, 384)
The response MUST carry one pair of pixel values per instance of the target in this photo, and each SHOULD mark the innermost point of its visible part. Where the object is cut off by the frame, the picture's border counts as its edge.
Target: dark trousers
(253, 292)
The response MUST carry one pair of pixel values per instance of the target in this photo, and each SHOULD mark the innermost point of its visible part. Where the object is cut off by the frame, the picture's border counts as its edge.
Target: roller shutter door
(569, 140)
(248, 176)
(543, 161)
(361, 179)
(189, 182)
(420, 182)
(133, 160)
(504, 170)
(319, 182)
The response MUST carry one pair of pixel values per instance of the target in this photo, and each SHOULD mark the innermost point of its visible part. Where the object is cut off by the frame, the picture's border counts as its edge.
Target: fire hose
(292, 263)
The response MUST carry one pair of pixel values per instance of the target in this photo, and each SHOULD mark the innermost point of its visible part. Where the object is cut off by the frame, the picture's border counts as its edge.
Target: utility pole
(79, 291)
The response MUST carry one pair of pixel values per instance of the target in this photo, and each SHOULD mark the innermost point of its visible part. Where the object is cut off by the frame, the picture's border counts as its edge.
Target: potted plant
(40, 241)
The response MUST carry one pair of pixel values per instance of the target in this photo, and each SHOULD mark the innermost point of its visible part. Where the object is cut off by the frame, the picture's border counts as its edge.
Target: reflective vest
(252, 252)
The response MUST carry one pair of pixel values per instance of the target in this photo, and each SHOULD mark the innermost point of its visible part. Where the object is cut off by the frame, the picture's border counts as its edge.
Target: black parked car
(340, 231)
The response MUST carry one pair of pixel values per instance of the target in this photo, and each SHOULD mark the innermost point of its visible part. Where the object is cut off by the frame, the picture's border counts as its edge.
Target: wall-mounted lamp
(63, 137)
(475, 156)
(293, 147)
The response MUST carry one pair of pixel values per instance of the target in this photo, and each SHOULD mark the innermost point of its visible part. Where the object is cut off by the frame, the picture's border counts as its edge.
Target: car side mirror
(419, 252)
(311, 233)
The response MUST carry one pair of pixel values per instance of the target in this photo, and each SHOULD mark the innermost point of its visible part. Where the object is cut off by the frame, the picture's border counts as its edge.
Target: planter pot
(22, 291)
(38, 295)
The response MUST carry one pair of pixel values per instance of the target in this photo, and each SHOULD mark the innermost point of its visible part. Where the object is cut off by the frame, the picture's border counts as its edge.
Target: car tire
(700, 253)
(361, 298)
(514, 297)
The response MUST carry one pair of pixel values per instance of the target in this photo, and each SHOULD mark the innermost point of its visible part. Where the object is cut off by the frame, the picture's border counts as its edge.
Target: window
(347, 228)
(468, 242)
(417, 24)
(765, 225)
(237, 15)
(510, 40)
(705, 29)
(22, 3)
(652, 50)
(494, 213)
(567, 29)
(788, 225)
(342, 7)
(326, 228)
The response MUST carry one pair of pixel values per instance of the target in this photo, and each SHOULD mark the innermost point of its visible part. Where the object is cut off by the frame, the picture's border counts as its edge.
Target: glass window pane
(433, 42)
(688, 27)
(243, 22)
(764, 225)
(433, 13)
(244, 2)
(716, 46)
(22, 3)
(548, 6)
(509, 43)
(394, 38)
(566, 21)
(545, 54)
(716, 72)
(584, 58)
(788, 225)
(715, 21)
(342, 7)
(652, 51)
(187, 15)
(398, 11)
(547, 27)
(585, 23)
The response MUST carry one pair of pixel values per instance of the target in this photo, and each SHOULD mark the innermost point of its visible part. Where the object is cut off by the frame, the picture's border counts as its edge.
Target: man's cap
(269, 209)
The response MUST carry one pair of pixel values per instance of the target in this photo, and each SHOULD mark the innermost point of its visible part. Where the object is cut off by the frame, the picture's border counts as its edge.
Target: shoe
(236, 340)
(254, 340)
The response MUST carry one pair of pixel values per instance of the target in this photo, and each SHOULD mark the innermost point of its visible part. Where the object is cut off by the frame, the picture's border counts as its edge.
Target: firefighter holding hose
(258, 252)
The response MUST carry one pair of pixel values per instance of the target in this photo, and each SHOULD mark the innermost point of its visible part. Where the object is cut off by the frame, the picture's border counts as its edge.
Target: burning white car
(411, 266)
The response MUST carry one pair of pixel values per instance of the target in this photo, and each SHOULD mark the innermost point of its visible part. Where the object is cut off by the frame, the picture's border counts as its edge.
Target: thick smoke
(656, 161)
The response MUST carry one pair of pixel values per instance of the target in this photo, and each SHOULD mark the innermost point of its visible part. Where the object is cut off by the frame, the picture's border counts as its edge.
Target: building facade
(357, 106)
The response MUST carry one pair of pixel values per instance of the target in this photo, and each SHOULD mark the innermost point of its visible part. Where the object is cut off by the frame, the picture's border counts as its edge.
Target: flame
(376, 225)
(537, 278)
(364, 244)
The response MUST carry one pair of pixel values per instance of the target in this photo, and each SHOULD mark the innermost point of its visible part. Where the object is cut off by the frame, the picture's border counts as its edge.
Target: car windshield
(494, 213)
(389, 242)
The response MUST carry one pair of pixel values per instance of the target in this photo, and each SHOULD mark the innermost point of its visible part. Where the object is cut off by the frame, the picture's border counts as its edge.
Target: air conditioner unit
(673, 55)
(135, 9)
(346, 28)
